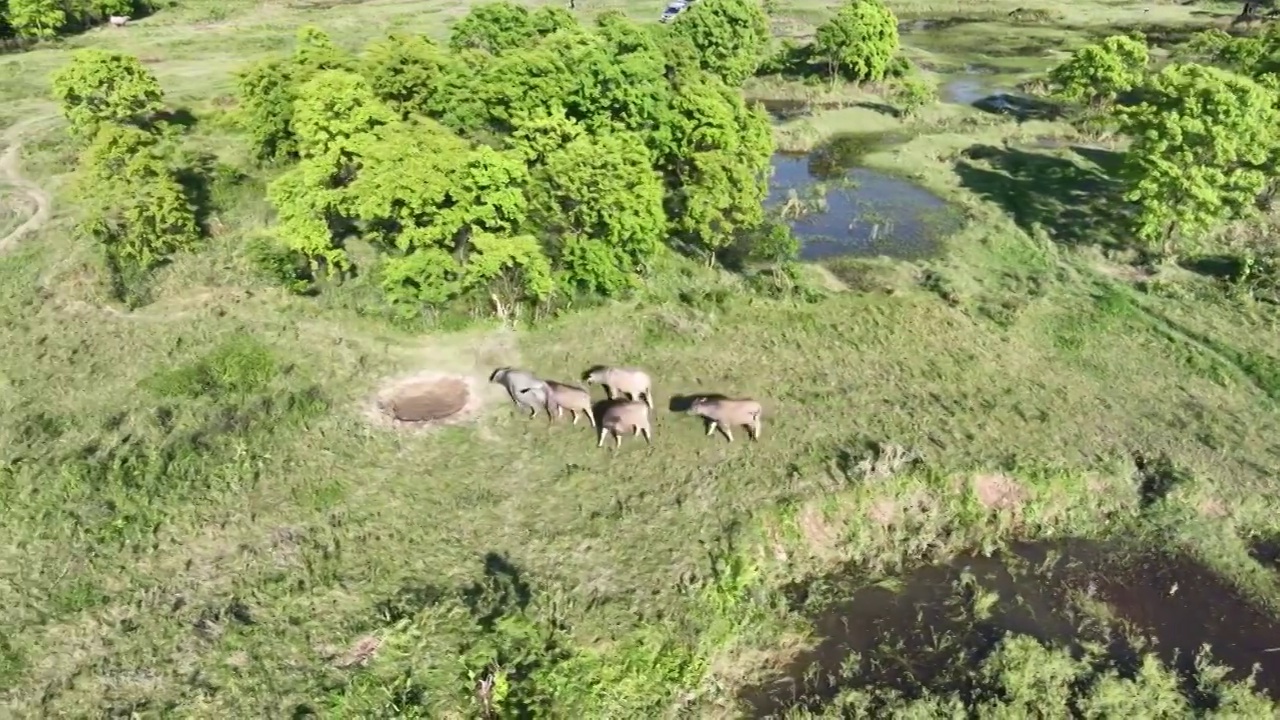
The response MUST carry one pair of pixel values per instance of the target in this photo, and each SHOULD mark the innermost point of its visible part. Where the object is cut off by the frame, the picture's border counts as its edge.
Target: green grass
(202, 521)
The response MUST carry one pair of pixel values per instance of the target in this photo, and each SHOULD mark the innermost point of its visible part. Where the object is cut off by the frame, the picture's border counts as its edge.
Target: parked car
(673, 10)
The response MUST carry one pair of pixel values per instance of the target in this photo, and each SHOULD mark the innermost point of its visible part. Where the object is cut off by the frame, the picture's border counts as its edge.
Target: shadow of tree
(501, 591)
(1019, 107)
(882, 108)
(181, 117)
(1218, 267)
(1072, 204)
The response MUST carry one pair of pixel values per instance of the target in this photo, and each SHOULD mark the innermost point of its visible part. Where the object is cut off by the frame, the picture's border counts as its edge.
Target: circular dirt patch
(426, 399)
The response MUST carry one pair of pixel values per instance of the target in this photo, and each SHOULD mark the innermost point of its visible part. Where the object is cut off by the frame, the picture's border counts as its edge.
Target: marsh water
(908, 636)
(840, 208)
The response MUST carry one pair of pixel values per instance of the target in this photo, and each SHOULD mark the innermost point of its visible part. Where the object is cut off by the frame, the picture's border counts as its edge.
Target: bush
(100, 86)
(860, 42)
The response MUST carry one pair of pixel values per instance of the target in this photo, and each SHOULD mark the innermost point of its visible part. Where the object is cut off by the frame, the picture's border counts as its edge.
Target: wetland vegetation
(1003, 275)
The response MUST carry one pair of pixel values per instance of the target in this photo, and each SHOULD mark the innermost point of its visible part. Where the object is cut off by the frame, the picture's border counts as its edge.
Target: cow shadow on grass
(1071, 203)
(680, 404)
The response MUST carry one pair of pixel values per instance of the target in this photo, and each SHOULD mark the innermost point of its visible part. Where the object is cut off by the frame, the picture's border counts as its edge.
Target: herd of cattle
(628, 407)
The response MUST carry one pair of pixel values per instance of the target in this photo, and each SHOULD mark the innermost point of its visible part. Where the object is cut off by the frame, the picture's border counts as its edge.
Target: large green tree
(1201, 137)
(599, 201)
(730, 37)
(718, 175)
(410, 73)
(36, 19)
(494, 27)
(102, 86)
(133, 204)
(336, 117)
(267, 90)
(860, 41)
(1095, 74)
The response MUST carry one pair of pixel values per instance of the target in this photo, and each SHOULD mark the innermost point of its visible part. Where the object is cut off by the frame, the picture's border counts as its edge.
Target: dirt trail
(11, 174)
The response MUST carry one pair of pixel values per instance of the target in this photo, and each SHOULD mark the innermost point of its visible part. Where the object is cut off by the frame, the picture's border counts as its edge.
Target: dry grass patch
(998, 491)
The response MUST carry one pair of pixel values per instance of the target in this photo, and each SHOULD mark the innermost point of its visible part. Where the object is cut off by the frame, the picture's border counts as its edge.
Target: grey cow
(526, 390)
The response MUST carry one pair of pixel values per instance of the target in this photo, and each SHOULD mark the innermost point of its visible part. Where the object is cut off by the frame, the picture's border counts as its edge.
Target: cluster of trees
(859, 43)
(43, 19)
(1205, 141)
(528, 156)
(129, 176)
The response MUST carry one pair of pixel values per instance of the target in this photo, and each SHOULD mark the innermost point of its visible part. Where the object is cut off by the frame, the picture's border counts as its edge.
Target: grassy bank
(205, 522)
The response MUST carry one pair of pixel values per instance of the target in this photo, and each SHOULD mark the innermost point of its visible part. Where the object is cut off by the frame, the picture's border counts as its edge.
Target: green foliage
(495, 27)
(860, 41)
(36, 19)
(269, 88)
(513, 268)
(592, 146)
(600, 200)
(1200, 138)
(101, 86)
(720, 166)
(912, 94)
(1253, 55)
(730, 37)
(1096, 74)
(314, 52)
(280, 264)
(266, 91)
(135, 208)
(239, 366)
(335, 114)
(406, 72)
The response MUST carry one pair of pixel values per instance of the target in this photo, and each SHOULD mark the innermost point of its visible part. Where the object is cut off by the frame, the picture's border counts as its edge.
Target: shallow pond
(994, 95)
(894, 633)
(970, 88)
(856, 211)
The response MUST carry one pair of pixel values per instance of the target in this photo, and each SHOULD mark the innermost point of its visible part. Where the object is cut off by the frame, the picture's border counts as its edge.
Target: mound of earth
(426, 399)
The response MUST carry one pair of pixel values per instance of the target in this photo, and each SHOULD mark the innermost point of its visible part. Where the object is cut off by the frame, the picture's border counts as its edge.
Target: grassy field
(200, 520)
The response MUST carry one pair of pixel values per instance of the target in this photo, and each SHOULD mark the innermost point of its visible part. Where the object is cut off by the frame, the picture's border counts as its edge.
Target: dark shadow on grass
(179, 117)
(1265, 550)
(1073, 205)
(1156, 35)
(1020, 107)
(944, 23)
(499, 592)
(682, 403)
(1109, 160)
(1218, 267)
(882, 108)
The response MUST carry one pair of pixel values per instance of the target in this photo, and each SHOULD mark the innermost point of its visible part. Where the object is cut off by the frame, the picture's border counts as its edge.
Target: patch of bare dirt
(1212, 507)
(360, 652)
(818, 533)
(828, 279)
(997, 491)
(427, 399)
(884, 512)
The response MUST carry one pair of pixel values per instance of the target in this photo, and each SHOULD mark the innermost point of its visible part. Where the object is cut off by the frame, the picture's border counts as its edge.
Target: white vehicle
(673, 10)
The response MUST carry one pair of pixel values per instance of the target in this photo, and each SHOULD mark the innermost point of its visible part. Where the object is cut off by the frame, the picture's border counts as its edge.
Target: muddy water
(911, 638)
(856, 211)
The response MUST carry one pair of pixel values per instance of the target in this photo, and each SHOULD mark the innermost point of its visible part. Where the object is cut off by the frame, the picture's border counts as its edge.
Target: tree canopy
(101, 86)
(1201, 138)
(44, 19)
(1095, 74)
(532, 156)
(730, 36)
(860, 41)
